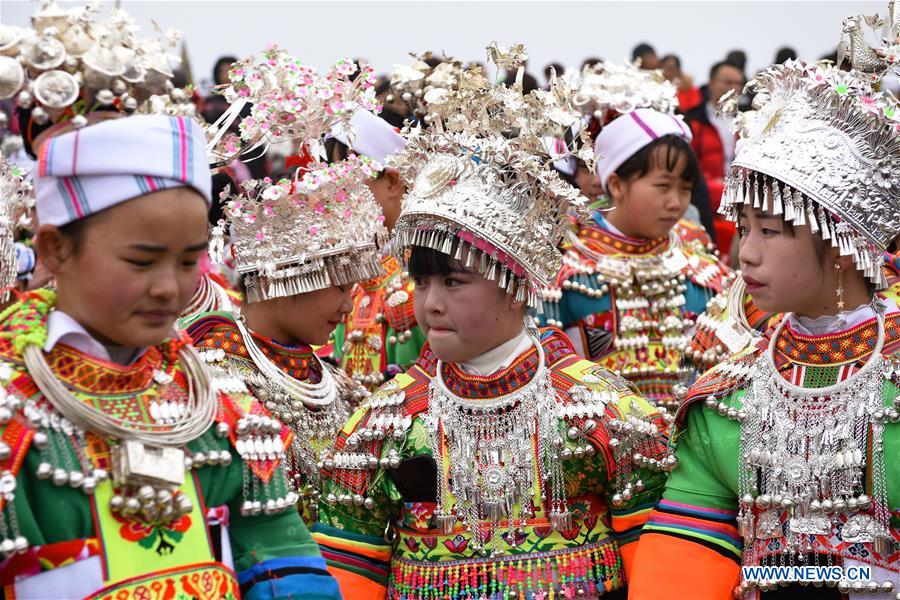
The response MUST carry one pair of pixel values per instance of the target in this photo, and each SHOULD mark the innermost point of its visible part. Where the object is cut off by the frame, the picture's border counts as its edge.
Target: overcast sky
(567, 32)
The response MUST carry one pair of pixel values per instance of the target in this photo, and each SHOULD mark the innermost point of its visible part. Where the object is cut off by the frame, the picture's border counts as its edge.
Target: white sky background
(553, 31)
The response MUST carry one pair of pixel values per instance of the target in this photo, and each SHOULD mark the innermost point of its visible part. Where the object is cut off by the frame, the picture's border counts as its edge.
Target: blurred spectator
(220, 70)
(688, 94)
(713, 141)
(785, 53)
(555, 66)
(587, 181)
(647, 54)
(394, 110)
(590, 62)
(213, 105)
(738, 58)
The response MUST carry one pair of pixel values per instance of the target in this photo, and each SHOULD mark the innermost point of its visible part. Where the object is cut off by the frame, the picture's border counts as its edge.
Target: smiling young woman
(787, 451)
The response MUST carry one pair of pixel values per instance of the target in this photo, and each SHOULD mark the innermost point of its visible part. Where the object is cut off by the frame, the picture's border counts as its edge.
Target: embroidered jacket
(381, 337)
(240, 538)
(629, 304)
(696, 523)
(223, 348)
(386, 489)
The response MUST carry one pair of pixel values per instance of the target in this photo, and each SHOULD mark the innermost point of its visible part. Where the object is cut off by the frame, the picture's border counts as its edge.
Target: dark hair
(738, 58)
(425, 262)
(556, 67)
(75, 232)
(382, 85)
(222, 60)
(529, 83)
(642, 49)
(785, 53)
(714, 70)
(591, 61)
(180, 78)
(671, 57)
(394, 118)
(337, 151)
(672, 148)
(216, 210)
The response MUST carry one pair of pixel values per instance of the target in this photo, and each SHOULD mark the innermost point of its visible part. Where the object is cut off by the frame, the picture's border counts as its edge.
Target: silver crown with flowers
(621, 88)
(16, 202)
(481, 186)
(72, 60)
(322, 227)
(821, 147)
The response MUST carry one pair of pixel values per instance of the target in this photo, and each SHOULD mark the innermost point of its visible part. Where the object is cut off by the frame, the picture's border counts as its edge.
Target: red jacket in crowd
(711, 154)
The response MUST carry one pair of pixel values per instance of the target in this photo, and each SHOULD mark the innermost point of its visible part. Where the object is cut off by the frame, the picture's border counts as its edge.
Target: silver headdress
(323, 227)
(70, 62)
(289, 101)
(413, 83)
(822, 147)
(481, 186)
(16, 202)
(605, 88)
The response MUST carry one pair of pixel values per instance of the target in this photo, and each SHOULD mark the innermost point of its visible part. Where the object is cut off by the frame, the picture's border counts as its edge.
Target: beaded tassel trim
(584, 571)
(444, 238)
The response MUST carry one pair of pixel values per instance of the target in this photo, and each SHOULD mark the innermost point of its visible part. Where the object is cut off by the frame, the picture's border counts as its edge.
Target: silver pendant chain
(491, 445)
(314, 411)
(803, 458)
(191, 421)
(312, 395)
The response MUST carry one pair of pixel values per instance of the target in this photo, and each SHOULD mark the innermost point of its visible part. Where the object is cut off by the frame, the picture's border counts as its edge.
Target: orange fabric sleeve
(670, 568)
(357, 587)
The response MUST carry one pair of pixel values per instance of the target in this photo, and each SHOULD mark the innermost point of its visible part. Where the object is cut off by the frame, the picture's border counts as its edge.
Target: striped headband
(628, 134)
(85, 171)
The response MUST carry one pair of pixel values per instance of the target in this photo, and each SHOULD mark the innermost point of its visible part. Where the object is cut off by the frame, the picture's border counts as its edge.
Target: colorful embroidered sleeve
(273, 552)
(690, 545)
(627, 452)
(350, 531)
(638, 483)
(276, 557)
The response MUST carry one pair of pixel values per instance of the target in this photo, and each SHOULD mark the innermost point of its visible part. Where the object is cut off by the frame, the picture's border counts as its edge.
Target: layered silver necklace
(148, 458)
(803, 454)
(493, 445)
(314, 411)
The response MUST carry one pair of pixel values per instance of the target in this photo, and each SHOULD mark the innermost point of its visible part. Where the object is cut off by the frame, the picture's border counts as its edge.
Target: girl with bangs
(787, 451)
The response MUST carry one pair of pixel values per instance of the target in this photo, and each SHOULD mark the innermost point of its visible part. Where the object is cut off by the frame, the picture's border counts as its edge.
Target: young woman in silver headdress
(299, 246)
(788, 450)
(500, 465)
